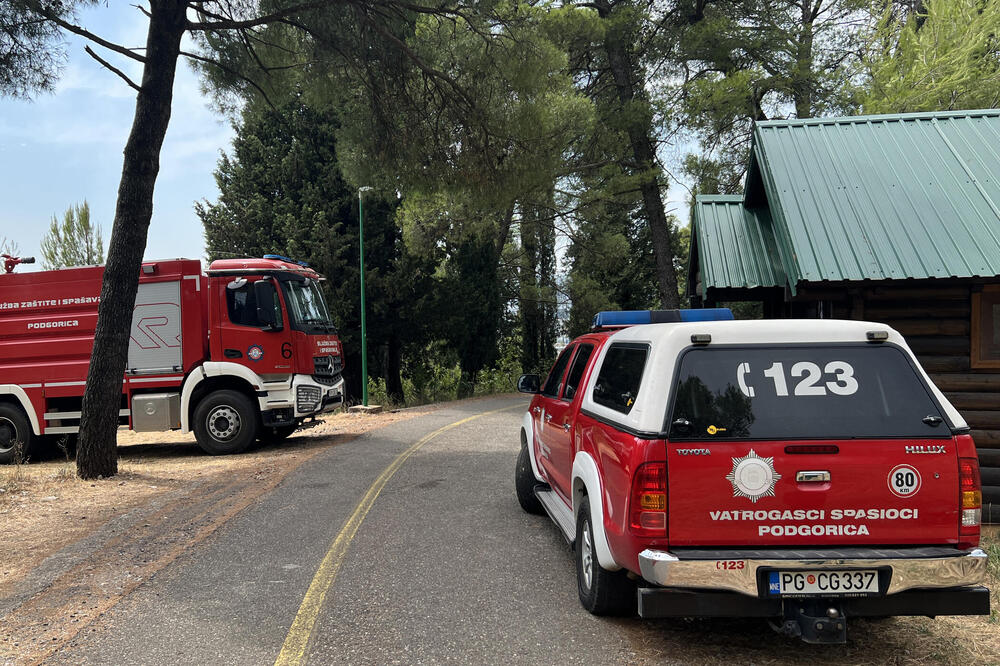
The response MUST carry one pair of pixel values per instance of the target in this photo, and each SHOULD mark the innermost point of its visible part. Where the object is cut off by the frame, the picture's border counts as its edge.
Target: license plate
(863, 581)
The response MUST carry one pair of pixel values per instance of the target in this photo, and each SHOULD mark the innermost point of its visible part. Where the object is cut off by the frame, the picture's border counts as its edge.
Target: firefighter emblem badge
(753, 477)
(255, 352)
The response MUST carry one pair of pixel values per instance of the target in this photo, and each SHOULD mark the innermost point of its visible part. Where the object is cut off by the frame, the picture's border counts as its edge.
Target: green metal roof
(876, 197)
(735, 246)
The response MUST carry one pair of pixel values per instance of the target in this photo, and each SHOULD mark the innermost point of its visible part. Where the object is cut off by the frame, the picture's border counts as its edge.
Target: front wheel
(602, 592)
(15, 434)
(225, 422)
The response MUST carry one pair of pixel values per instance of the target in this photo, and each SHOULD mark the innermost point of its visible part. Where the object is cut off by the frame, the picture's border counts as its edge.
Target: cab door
(560, 417)
(253, 326)
(544, 404)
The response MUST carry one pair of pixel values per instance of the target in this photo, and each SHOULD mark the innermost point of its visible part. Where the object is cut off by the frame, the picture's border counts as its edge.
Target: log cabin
(890, 218)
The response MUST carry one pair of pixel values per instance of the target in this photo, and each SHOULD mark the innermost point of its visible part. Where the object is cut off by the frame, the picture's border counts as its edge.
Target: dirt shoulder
(72, 548)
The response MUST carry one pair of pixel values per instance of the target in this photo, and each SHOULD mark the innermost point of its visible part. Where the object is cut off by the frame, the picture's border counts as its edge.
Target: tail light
(970, 501)
(648, 506)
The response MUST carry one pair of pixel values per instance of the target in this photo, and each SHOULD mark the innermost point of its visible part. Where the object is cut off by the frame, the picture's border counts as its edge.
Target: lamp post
(364, 331)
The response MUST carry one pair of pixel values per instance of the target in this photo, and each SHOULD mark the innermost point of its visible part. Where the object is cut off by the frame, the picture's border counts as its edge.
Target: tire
(275, 434)
(602, 592)
(225, 422)
(15, 434)
(525, 482)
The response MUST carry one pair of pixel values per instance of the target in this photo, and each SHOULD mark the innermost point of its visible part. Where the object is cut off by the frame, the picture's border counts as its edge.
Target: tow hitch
(814, 621)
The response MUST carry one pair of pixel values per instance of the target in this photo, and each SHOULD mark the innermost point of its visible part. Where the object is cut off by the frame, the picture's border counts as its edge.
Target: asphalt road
(445, 566)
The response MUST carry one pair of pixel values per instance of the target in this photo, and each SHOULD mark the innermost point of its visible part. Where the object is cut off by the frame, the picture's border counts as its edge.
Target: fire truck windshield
(307, 309)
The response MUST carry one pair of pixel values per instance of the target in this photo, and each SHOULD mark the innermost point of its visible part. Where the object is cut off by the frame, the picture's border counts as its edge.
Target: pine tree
(74, 242)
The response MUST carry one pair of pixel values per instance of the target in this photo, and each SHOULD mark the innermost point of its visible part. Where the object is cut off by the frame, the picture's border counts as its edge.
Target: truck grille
(307, 398)
(327, 369)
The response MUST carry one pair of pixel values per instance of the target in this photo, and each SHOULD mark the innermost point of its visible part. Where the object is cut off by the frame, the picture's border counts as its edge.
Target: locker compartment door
(155, 338)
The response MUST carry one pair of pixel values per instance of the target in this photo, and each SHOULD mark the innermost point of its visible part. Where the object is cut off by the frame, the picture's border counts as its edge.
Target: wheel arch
(587, 483)
(201, 382)
(528, 433)
(13, 394)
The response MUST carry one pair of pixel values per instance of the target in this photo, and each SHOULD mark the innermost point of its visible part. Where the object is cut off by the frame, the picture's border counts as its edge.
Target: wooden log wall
(936, 322)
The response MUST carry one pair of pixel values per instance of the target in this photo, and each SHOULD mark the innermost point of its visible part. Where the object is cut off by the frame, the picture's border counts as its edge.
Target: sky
(63, 147)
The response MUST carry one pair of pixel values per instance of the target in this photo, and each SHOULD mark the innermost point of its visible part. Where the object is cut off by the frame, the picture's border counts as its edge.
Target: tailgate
(876, 492)
(812, 444)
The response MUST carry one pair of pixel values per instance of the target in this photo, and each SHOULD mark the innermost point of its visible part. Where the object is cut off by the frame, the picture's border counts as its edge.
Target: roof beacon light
(619, 318)
(278, 257)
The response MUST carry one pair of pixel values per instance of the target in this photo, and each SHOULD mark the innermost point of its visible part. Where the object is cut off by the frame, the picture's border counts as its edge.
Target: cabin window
(576, 373)
(554, 383)
(986, 327)
(620, 376)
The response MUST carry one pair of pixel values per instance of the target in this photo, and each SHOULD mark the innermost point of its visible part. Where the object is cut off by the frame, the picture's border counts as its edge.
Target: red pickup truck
(803, 471)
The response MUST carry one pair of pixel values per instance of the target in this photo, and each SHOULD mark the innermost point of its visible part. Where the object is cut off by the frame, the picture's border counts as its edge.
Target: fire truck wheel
(602, 592)
(225, 422)
(275, 434)
(525, 482)
(15, 434)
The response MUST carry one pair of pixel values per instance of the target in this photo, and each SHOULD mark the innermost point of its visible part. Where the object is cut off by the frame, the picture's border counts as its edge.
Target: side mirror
(529, 384)
(264, 294)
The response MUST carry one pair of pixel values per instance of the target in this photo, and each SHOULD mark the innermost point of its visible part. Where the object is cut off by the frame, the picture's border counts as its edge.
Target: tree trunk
(97, 454)
(394, 371)
(636, 108)
(530, 307)
(803, 84)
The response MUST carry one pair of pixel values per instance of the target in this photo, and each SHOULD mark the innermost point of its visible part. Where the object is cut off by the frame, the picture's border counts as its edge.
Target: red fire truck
(243, 351)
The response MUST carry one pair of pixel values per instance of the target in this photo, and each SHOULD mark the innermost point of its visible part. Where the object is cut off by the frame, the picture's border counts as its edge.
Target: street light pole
(364, 331)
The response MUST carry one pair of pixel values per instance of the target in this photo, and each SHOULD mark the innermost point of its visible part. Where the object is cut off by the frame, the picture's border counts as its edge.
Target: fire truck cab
(245, 350)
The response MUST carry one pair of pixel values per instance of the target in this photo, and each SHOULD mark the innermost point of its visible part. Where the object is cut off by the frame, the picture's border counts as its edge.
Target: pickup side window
(576, 372)
(554, 381)
(621, 373)
(801, 392)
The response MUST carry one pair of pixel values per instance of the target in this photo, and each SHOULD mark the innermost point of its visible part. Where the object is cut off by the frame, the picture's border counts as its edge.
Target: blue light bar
(635, 317)
(707, 314)
(278, 257)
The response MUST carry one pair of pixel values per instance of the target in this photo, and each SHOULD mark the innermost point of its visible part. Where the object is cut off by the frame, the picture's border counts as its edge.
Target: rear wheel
(225, 422)
(525, 481)
(15, 434)
(602, 592)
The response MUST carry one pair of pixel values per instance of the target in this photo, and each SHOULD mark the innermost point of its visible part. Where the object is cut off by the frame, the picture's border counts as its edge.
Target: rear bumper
(737, 571)
(666, 602)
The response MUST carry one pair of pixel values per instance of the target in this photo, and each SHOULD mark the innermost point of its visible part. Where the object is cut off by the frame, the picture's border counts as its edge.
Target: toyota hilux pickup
(802, 471)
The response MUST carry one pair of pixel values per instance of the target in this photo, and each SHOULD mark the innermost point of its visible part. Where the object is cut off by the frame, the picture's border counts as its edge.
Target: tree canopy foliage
(73, 242)
(944, 57)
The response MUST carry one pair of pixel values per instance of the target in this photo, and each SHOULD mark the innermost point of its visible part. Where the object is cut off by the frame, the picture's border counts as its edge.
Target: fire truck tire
(525, 482)
(275, 434)
(15, 434)
(225, 422)
(602, 592)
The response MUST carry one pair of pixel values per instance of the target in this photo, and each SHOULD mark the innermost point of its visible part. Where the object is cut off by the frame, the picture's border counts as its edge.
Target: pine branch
(111, 67)
(273, 17)
(49, 15)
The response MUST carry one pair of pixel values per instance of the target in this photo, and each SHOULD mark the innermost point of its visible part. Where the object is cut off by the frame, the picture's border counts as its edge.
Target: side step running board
(560, 514)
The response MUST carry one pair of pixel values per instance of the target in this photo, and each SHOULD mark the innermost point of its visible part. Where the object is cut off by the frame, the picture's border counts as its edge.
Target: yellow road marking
(296, 644)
